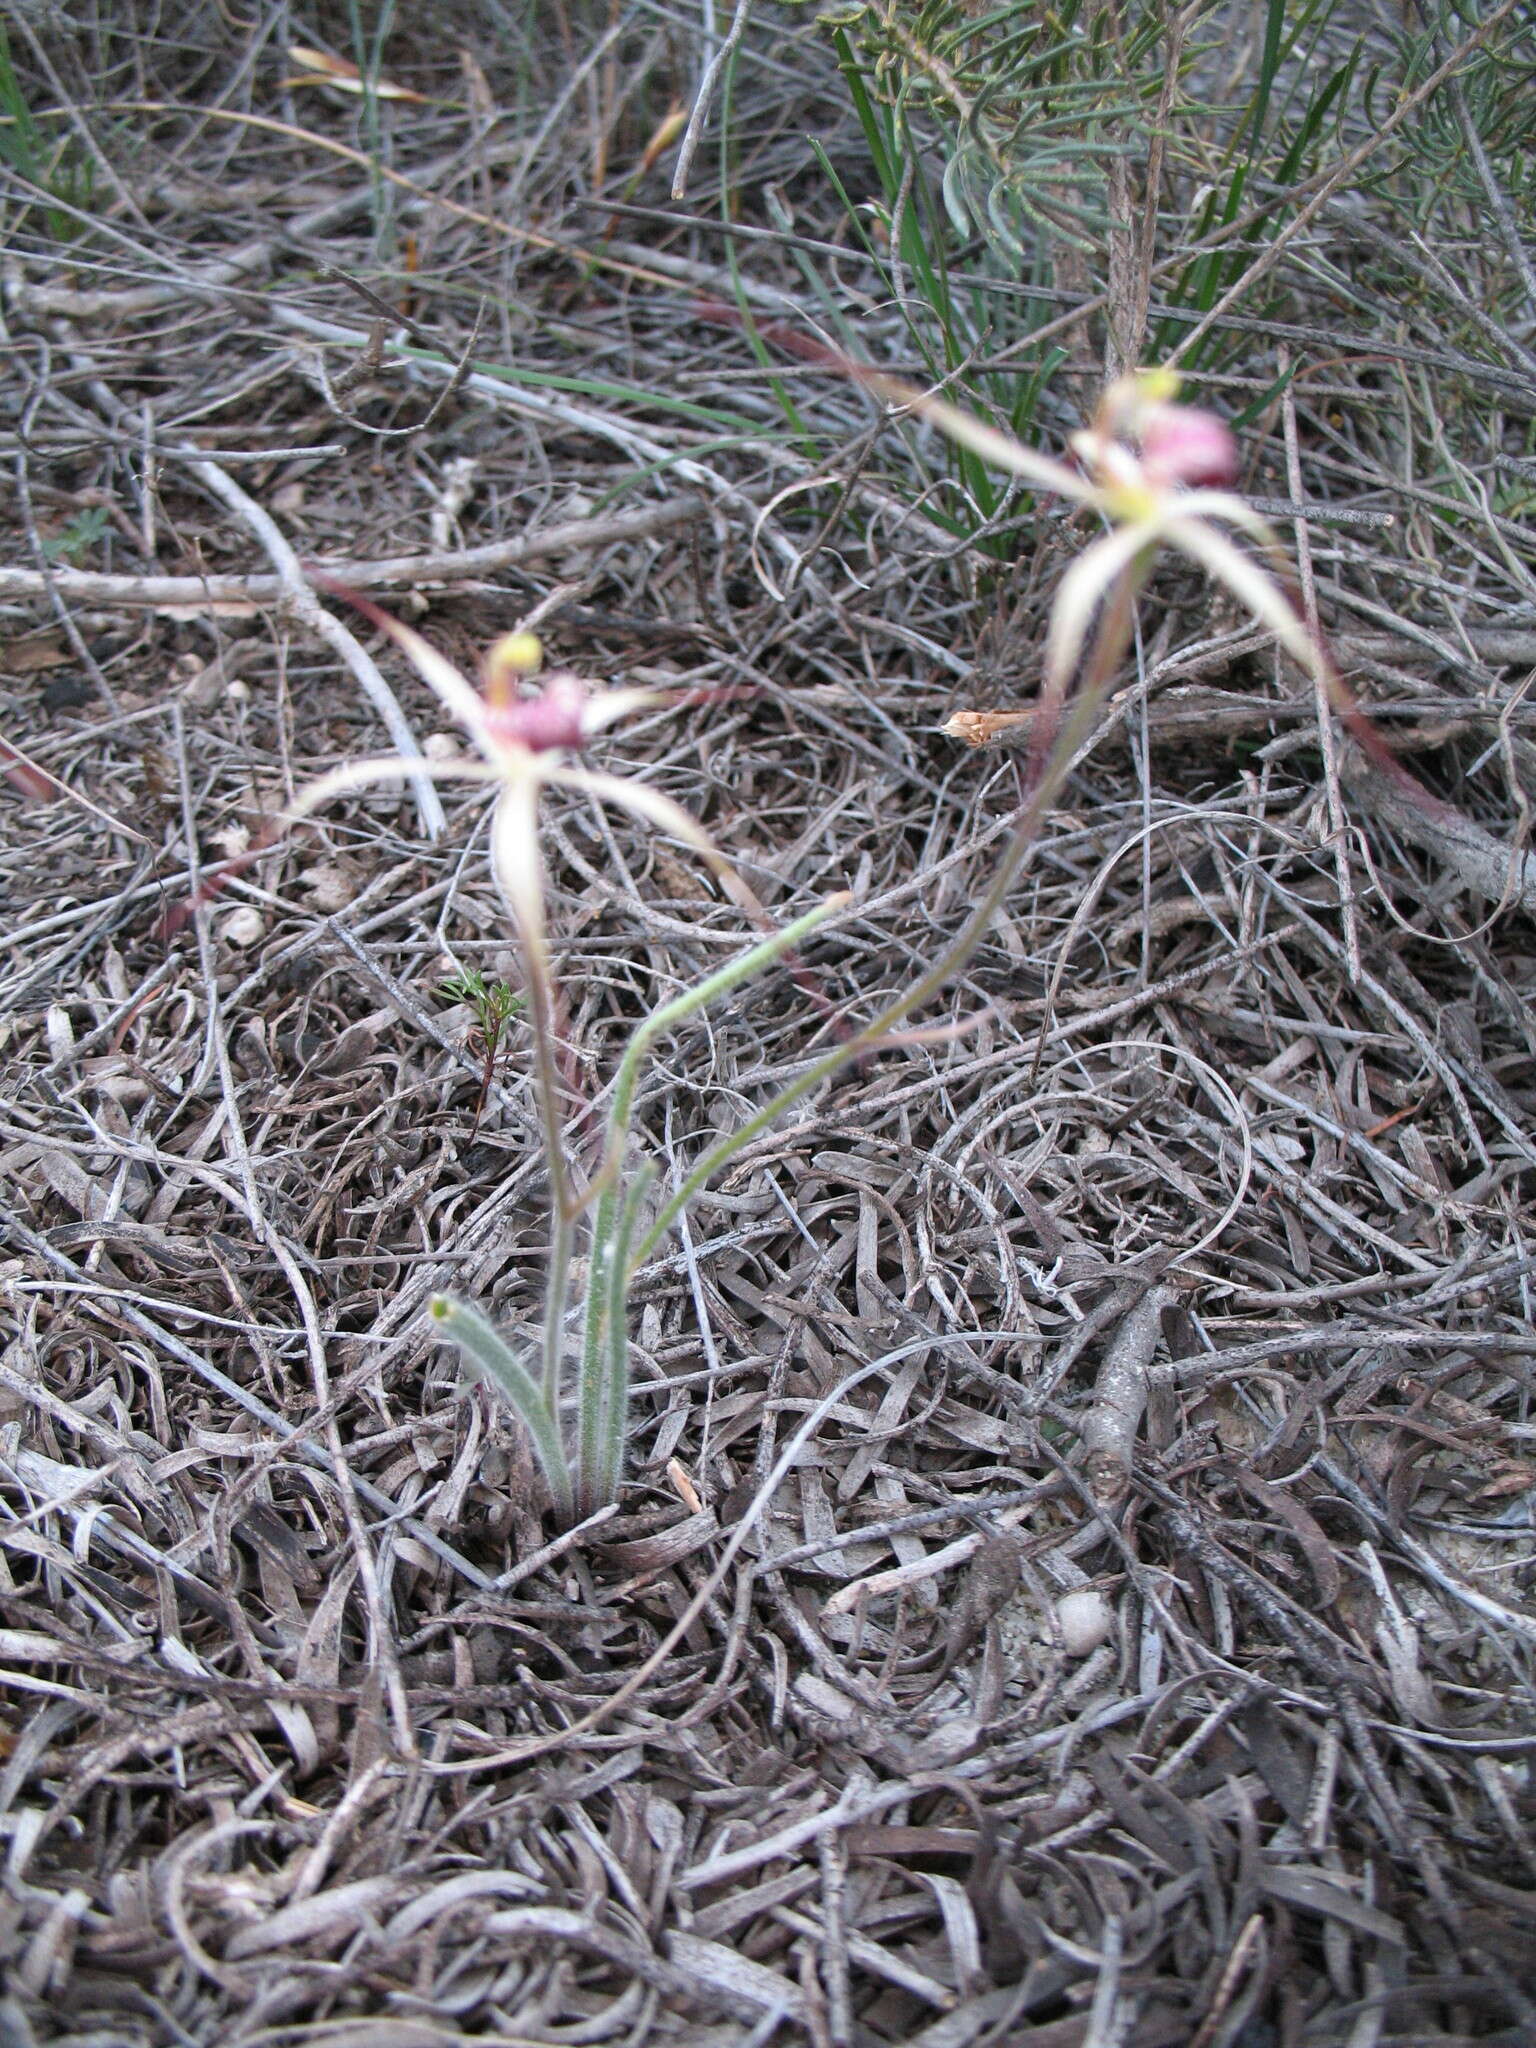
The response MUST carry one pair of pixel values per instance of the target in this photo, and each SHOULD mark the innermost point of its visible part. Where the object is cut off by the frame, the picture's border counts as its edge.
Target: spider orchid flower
(1154, 470)
(524, 744)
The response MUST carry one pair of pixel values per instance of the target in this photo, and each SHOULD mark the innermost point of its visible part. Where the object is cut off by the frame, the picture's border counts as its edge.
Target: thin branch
(694, 134)
(308, 609)
(90, 587)
(1327, 738)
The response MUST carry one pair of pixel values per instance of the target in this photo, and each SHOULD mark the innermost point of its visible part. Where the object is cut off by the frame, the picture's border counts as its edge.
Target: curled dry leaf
(321, 68)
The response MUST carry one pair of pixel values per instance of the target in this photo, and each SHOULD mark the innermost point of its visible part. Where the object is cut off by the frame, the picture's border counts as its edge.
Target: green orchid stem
(592, 1382)
(681, 1007)
(1058, 747)
(603, 1398)
(557, 1284)
(611, 1368)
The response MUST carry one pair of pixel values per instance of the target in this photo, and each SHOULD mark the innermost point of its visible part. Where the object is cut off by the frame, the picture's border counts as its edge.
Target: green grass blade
(20, 146)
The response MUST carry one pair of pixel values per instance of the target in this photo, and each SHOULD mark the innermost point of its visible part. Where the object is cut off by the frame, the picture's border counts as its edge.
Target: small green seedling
(77, 539)
(494, 1004)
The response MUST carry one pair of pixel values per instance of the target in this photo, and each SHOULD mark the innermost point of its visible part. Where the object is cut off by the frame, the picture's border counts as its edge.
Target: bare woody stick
(1111, 1425)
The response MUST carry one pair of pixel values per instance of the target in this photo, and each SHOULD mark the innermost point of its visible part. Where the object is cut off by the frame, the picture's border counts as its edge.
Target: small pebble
(955, 1738)
(59, 1031)
(1085, 1620)
(329, 886)
(242, 927)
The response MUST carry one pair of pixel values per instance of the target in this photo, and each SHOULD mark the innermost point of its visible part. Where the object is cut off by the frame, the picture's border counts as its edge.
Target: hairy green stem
(1057, 751)
(557, 1277)
(603, 1386)
(613, 1423)
(670, 1014)
(593, 1377)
